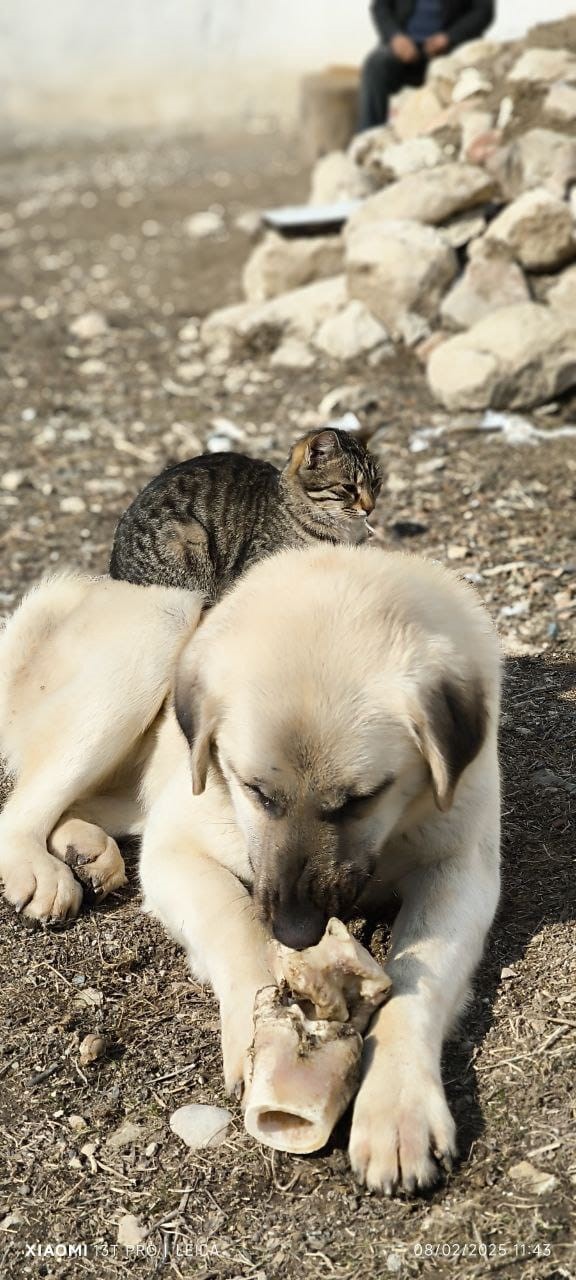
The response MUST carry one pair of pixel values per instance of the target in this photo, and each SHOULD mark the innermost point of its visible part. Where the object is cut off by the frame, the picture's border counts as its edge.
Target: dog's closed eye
(356, 806)
(271, 804)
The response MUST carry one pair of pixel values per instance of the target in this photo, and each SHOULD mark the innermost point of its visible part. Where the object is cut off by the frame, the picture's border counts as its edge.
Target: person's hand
(436, 44)
(404, 48)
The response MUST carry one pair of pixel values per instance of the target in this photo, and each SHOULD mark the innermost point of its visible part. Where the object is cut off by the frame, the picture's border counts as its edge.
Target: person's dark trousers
(383, 75)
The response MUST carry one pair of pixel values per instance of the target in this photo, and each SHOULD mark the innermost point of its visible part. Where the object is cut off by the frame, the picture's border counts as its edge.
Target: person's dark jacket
(463, 19)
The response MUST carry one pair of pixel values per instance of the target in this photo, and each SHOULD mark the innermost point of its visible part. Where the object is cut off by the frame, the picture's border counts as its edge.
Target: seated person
(412, 32)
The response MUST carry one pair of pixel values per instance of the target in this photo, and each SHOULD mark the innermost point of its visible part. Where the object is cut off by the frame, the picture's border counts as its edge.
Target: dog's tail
(35, 619)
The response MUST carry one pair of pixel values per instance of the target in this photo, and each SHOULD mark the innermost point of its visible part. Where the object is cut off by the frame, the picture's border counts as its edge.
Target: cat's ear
(197, 716)
(320, 447)
(313, 450)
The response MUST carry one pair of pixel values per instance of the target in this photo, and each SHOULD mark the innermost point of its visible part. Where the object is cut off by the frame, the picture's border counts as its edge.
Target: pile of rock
(460, 242)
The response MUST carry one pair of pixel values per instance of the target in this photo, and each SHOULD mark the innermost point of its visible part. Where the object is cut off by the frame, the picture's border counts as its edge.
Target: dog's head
(327, 728)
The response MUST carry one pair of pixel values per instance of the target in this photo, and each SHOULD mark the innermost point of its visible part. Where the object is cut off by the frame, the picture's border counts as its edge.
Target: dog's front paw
(42, 888)
(237, 1035)
(401, 1129)
(94, 856)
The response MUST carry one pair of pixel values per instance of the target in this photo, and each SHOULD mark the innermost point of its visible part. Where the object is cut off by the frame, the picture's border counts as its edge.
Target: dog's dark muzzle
(299, 927)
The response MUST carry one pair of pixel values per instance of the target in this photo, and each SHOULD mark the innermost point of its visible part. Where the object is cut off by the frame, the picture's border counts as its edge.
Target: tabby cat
(201, 523)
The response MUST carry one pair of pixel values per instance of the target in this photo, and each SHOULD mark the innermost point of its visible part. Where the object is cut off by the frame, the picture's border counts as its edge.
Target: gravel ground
(99, 225)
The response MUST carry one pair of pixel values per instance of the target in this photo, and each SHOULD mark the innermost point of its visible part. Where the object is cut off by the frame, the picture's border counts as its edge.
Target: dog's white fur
(323, 671)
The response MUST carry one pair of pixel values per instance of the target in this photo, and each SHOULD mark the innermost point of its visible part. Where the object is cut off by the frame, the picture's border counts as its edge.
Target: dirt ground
(100, 225)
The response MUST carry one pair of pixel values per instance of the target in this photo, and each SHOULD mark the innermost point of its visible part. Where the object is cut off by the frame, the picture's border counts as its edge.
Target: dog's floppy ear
(196, 715)
(451, 731)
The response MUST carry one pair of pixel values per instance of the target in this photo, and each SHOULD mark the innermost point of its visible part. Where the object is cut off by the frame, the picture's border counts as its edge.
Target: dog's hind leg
(76, 709)
(93, 855)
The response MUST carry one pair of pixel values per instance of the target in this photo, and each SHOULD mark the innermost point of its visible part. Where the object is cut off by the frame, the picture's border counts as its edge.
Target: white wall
(123, 61)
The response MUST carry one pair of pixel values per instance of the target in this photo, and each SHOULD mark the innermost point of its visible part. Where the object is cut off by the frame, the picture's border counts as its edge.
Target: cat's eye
(351, 489)
(270, 805)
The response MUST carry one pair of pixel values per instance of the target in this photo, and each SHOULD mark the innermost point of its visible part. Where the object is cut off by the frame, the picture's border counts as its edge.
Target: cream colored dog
(331, 739)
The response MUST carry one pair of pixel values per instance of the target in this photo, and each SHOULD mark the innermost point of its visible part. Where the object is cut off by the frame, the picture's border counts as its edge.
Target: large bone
(305, 1060)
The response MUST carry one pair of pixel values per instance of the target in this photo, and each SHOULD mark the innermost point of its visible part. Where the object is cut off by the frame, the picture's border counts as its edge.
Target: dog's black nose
(299, 929)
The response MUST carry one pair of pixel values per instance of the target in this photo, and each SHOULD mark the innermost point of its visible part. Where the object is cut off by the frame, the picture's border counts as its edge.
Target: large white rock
(514, 358)
(293, 353)
(474, 124)
(337, 177)
(415, 111)
(350, 333)
(261, 326)
(544, 65)
(367, 147)
(560, 101)
(410, 157)
(397, 268)
(541, 158)
(538, 229)
(431, 196)
(469, 84)
(278, 264)
(562, 295)
(491, 280)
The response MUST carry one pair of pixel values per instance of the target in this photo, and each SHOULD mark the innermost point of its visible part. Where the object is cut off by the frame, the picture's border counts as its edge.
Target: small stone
(200, 226)
(219, 444)
(293, 354)
(126, 1134)
(201, 1126)
(249, 223)
(190, 370)
(456, 551)
(72, 506)
(531, 1178)
(77, 1123)
(92, 368)
(130, 1231)
(90, 325)
(227, 428)
(12, 480)
(92, 1047)
(190, 331)
(88, 997)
